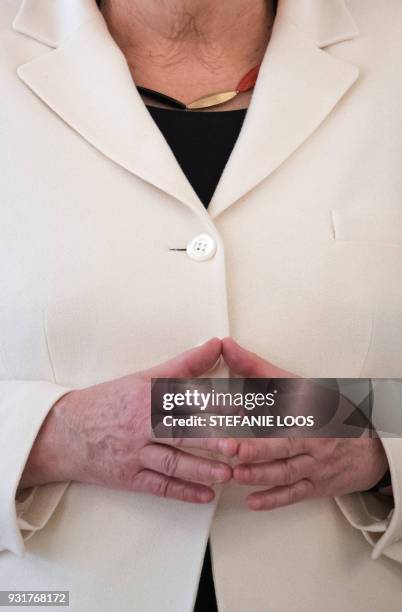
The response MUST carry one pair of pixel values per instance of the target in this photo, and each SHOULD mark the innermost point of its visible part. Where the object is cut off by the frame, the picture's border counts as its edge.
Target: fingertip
(214, 346)
(229, 340)
(223, 473)
(254, 503)
(215, 341)
(237, 358)
(227, 344)
(228, 447)
(205, 496)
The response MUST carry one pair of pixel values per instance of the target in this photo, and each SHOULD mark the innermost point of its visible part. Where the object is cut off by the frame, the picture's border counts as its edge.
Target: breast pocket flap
(367, 226)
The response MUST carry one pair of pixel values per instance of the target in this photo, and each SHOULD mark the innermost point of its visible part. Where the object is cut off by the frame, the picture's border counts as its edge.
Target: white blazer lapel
(85, 79)
(298, 86)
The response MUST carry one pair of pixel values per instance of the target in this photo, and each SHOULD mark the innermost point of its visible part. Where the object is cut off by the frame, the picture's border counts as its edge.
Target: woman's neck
(190, 48)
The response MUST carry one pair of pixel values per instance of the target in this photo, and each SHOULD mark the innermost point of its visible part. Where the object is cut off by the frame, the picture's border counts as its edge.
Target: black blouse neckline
(193, 113)
(202, 143)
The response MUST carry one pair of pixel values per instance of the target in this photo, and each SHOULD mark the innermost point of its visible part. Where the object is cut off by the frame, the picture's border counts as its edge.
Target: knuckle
(298, 492)
(273, 501)
(287, 472)
(293, 496)
(178, 442)
(290, 447)
(324, 449)
(204, 472)
(247, 452)
(161, 487)
(148, 483)
(244, 474)
(181, 491)
(186, 492)
(122, 475)
(170, 462)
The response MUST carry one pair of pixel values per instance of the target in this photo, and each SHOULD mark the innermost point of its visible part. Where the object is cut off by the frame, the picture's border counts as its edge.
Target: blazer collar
(298, 86)
(84, 78)
(52, 21)
(325, 22)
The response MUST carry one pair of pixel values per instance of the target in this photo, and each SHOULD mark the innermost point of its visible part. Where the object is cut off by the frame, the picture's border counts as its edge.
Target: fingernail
(220, 473)
(205, 342)
(205, 496)
(225, 447)
(254, 503)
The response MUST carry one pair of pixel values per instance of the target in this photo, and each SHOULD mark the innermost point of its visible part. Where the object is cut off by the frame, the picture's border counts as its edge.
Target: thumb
(249, 365)
(191, 363)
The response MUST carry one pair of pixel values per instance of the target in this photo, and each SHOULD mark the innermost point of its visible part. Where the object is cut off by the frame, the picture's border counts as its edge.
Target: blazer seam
(46, 336)
(369, 345)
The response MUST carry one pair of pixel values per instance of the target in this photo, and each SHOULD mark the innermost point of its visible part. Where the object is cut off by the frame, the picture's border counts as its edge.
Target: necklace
(245, 84)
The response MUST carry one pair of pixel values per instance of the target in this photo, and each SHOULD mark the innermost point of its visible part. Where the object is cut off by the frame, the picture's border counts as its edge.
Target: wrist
(50, 457)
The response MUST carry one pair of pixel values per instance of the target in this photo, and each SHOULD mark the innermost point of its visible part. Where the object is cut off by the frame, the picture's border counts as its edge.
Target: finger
(280, 496)
(160, 485)
(225, 446)
(270, 449)
(275, 473)
(247, 364)
(174, 462)
(191, 363)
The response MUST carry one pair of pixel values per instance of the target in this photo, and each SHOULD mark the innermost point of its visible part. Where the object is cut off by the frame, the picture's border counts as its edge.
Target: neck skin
(191, 48)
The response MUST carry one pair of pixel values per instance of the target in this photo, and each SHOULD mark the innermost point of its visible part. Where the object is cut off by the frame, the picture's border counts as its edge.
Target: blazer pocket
(383, 227)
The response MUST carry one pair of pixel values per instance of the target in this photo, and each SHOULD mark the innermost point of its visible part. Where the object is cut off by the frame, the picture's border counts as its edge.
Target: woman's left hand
(295, 469)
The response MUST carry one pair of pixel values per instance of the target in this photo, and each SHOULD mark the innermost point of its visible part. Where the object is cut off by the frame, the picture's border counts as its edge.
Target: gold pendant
(212, 100)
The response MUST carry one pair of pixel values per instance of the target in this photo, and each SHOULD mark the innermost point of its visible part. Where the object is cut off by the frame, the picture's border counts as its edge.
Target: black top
(201, 142)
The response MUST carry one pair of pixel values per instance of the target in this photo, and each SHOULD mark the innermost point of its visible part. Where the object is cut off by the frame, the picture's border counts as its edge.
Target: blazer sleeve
(24, 406)
(379, 516)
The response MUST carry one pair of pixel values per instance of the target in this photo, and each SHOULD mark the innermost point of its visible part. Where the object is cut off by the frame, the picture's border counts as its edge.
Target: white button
(201, 248)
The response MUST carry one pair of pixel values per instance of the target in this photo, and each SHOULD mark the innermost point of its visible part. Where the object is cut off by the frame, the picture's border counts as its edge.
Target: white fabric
(307, 273)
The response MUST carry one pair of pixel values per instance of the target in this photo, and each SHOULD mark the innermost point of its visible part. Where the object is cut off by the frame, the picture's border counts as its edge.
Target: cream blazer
(307, 219)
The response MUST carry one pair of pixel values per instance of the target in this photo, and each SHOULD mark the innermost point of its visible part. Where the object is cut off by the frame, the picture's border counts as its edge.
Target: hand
(294, 469)
(102, 435)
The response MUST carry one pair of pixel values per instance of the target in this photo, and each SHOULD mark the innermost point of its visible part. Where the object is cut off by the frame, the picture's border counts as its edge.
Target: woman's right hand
(102, 435)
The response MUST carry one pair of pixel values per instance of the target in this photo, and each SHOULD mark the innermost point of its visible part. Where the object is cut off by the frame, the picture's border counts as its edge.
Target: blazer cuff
(24, 406)
(378, 516)
(37, 506)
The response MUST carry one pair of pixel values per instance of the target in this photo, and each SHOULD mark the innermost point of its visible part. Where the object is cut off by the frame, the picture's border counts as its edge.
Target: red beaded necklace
(246, 84)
